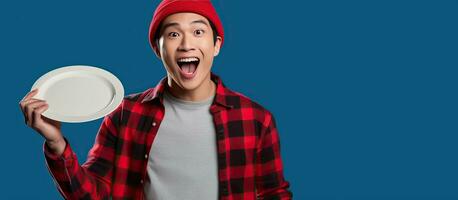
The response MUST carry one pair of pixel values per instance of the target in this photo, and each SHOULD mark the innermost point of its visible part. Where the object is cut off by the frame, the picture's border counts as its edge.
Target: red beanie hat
(168, 7)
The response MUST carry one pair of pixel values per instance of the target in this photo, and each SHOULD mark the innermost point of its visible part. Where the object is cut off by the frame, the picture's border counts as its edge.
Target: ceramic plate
(79, 93)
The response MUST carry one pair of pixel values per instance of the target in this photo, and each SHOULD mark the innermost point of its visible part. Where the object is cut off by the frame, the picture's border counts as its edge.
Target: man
(190, 137)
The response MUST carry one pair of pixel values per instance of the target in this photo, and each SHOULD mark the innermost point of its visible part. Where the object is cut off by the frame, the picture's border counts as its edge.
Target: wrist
(55, 141)
(56, 146)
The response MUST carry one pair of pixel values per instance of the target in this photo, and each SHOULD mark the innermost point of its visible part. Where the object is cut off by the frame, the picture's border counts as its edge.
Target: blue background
(364, 92)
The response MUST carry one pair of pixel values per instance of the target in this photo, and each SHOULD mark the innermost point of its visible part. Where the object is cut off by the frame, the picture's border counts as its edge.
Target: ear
(217, 45)
(158, 55)
(159, 44)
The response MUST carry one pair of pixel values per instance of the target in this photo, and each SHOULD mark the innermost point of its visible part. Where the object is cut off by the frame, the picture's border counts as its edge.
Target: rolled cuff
(66, 155)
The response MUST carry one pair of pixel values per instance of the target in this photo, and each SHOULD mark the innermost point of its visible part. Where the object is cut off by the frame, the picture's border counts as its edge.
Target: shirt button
(146, 156)
(154, 124)
(224, 191)
(141, 181)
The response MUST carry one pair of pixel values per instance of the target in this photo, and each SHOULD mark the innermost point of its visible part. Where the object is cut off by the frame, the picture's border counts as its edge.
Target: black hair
(158, 32)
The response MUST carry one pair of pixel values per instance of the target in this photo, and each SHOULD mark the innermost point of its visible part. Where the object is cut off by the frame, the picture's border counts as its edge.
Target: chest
(234, 138)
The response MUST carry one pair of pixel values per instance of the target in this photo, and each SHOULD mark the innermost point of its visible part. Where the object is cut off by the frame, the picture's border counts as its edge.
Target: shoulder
(247, 105)
(138, 96)
(131, 106)
(133, 101)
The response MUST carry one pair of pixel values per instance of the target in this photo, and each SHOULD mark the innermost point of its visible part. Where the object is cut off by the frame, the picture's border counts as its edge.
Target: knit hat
(168, 7)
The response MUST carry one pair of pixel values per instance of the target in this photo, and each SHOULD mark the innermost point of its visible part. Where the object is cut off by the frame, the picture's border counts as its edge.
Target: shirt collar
(220, 97)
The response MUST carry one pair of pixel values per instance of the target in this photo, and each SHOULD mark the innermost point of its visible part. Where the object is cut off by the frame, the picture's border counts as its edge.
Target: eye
(173, 34)
(199, 32)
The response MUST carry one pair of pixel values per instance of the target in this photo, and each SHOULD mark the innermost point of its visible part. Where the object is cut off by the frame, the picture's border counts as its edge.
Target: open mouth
(188, 65)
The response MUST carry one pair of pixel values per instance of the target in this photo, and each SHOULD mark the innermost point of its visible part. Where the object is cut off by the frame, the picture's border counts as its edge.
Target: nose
(186, 44)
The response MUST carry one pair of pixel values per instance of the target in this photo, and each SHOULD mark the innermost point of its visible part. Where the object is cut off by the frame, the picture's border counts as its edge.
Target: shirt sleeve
(92, 180)
(270, 182)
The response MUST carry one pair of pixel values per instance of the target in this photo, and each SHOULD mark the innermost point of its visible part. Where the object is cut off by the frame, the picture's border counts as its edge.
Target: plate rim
(111, 78)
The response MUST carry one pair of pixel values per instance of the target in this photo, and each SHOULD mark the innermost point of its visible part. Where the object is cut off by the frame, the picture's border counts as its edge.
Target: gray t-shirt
(183, 158)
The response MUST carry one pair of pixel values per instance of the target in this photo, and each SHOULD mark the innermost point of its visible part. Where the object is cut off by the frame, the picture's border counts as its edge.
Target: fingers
(30, 94)
(31, 109)
(37, 112)
(27, 97)
(25, 108)
(27, 102)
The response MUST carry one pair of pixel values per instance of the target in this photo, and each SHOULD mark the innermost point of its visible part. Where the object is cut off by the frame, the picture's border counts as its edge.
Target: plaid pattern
(249, 163)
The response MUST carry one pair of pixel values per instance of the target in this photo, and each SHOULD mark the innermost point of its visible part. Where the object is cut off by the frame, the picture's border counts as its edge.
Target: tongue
(188, 67)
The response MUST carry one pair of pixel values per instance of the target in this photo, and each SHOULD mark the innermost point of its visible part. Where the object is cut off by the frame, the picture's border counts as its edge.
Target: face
(187, 50)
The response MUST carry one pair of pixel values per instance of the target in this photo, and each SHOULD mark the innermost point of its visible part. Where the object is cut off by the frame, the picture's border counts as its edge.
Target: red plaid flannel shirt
(249, 163)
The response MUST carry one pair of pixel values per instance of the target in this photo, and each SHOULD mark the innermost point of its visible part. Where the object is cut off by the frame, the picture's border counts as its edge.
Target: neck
(204, 91)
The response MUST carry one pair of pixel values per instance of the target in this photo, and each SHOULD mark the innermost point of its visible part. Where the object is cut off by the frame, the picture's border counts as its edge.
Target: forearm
(73, 180)
(56, 147)
(280, 192)
(270, 181)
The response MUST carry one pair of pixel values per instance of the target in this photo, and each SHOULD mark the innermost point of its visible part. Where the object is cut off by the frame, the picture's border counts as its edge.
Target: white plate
(79, 93)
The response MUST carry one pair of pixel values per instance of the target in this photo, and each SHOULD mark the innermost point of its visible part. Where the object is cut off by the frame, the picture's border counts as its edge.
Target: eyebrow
(176, 24)
(200, 22)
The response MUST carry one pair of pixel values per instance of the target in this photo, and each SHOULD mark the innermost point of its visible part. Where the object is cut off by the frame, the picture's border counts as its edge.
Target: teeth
(188, 59)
